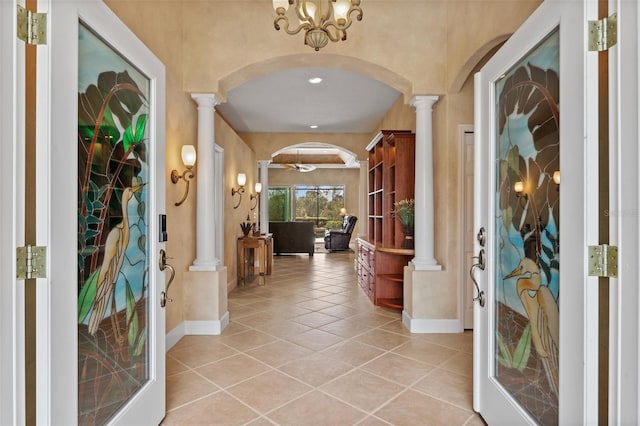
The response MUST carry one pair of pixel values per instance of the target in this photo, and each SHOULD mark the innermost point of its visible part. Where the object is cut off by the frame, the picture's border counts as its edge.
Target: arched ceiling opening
(315, 154)
(276, 96)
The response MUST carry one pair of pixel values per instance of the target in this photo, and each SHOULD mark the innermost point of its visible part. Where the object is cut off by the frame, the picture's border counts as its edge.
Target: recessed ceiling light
(315, 80)
(314, 126)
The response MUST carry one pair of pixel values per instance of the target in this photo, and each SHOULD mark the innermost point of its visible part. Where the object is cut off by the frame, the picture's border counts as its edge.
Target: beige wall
(238, 158)
(215, 45)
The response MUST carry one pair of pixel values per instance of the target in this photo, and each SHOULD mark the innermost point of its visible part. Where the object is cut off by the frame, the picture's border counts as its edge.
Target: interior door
(100, 168)
(11, 216)
(535, 339)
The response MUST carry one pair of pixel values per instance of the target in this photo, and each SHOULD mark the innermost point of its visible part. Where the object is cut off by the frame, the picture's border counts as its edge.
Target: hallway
(309, 348)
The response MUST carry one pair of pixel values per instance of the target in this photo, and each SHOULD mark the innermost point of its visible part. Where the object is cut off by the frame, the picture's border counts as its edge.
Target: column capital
(423, 101)
(206, 99)
(264, 163)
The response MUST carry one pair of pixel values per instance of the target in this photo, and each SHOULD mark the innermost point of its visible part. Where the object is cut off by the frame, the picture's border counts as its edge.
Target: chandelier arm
(348, 20)
(305, 18)
(335, 35)
(303, 26)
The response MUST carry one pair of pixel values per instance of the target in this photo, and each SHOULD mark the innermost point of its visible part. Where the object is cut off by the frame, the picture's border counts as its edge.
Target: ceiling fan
(303, 168)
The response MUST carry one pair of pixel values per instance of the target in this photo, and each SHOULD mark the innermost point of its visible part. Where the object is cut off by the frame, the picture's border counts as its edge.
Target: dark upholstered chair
(338, 239)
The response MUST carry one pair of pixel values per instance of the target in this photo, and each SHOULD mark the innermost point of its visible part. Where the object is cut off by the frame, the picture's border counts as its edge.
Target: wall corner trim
(200, 328)
(431, 326)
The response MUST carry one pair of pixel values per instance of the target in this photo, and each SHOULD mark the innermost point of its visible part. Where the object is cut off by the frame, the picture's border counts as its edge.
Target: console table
(251, 248)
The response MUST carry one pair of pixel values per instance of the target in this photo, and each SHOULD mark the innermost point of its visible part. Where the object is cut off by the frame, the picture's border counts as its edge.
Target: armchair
(338, 239)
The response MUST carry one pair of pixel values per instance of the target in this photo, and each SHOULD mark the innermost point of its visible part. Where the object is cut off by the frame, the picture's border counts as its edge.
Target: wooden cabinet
(381, 259)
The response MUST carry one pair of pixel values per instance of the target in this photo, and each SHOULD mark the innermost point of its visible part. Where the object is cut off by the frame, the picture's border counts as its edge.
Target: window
(319, 204)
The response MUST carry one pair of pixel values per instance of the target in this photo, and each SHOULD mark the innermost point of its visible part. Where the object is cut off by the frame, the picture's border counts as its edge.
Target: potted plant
(405, 213)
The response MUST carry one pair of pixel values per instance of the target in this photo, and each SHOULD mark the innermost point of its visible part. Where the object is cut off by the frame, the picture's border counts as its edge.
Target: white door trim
(624, 216)
(463, 272)
(12, 169)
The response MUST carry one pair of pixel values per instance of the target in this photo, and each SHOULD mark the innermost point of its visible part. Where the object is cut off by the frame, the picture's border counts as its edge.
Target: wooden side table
(251, 248)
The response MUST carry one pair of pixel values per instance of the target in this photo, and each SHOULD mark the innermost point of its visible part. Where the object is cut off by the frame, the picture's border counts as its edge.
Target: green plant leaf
(141, 125)
(141, 209)
(523, 349)
(142, 339)
(87, 295)
(142, 243)
(133, 329)
(130, 299)
(504, 354)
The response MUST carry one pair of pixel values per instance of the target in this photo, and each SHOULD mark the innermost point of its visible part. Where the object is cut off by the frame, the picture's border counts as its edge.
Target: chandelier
(321, 20)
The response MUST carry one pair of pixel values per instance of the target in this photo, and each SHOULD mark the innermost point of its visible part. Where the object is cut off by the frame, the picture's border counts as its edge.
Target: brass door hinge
(603, 261)
(31, 262)
(32, 27)
(603, 33)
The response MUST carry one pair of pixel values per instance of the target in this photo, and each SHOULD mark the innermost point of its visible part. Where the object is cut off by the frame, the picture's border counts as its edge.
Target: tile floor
(309, 348)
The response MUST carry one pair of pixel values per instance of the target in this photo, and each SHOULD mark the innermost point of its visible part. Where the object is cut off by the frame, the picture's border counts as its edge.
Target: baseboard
(195, 328)
(174, 336)
(426, 326)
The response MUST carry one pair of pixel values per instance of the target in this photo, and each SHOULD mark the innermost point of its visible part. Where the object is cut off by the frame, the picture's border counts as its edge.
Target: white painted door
(467, 141)
(535, 339)
(100, 175)
(11, 216)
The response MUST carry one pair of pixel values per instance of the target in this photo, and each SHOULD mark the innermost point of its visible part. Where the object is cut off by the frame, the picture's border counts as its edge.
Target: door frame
(57, 295)
(624, 216)
(463, 272)
(12, 191)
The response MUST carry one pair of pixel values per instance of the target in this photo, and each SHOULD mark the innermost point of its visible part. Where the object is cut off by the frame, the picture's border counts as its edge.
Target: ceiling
(286, 102)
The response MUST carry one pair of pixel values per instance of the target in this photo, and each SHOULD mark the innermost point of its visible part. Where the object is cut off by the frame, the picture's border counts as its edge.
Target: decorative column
(424, 225)
(263, 165)
(363, 199)
(206, 256)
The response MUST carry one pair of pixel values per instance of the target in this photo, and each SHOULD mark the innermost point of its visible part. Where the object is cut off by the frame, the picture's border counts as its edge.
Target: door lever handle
(162, 263)
(481, 263)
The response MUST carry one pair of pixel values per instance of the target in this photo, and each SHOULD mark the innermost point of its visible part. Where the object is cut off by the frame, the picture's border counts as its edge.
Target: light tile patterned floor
(309, 348)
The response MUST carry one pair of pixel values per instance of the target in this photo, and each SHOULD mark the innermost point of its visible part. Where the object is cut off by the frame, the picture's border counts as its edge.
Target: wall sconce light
(518, 187)
(256, 197)
(556, 177)
(242, 179)
(189, 160)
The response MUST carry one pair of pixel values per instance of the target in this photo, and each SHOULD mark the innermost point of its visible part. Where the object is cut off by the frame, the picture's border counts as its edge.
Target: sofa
(292, 237)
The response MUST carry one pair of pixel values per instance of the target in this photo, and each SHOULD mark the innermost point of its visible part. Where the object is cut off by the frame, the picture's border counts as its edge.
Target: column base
(425, 264)
(204, 266)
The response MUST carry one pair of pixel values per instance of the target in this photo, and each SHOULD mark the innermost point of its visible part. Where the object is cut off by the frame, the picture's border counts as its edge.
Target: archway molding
(342, 62)
(477, 58)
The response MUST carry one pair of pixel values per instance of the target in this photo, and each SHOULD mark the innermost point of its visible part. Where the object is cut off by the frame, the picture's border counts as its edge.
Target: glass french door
(100, 132)
(535, 353)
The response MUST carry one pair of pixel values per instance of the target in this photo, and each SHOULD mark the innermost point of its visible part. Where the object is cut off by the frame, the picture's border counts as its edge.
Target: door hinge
(32, 26)
(603, 33)
(31, 262)
(603, 261)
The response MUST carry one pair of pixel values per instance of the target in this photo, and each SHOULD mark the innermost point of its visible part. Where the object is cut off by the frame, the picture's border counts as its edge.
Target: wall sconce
(189, 160)
(242, 179)
(256, 197)
(518, 187)
(556, 177)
